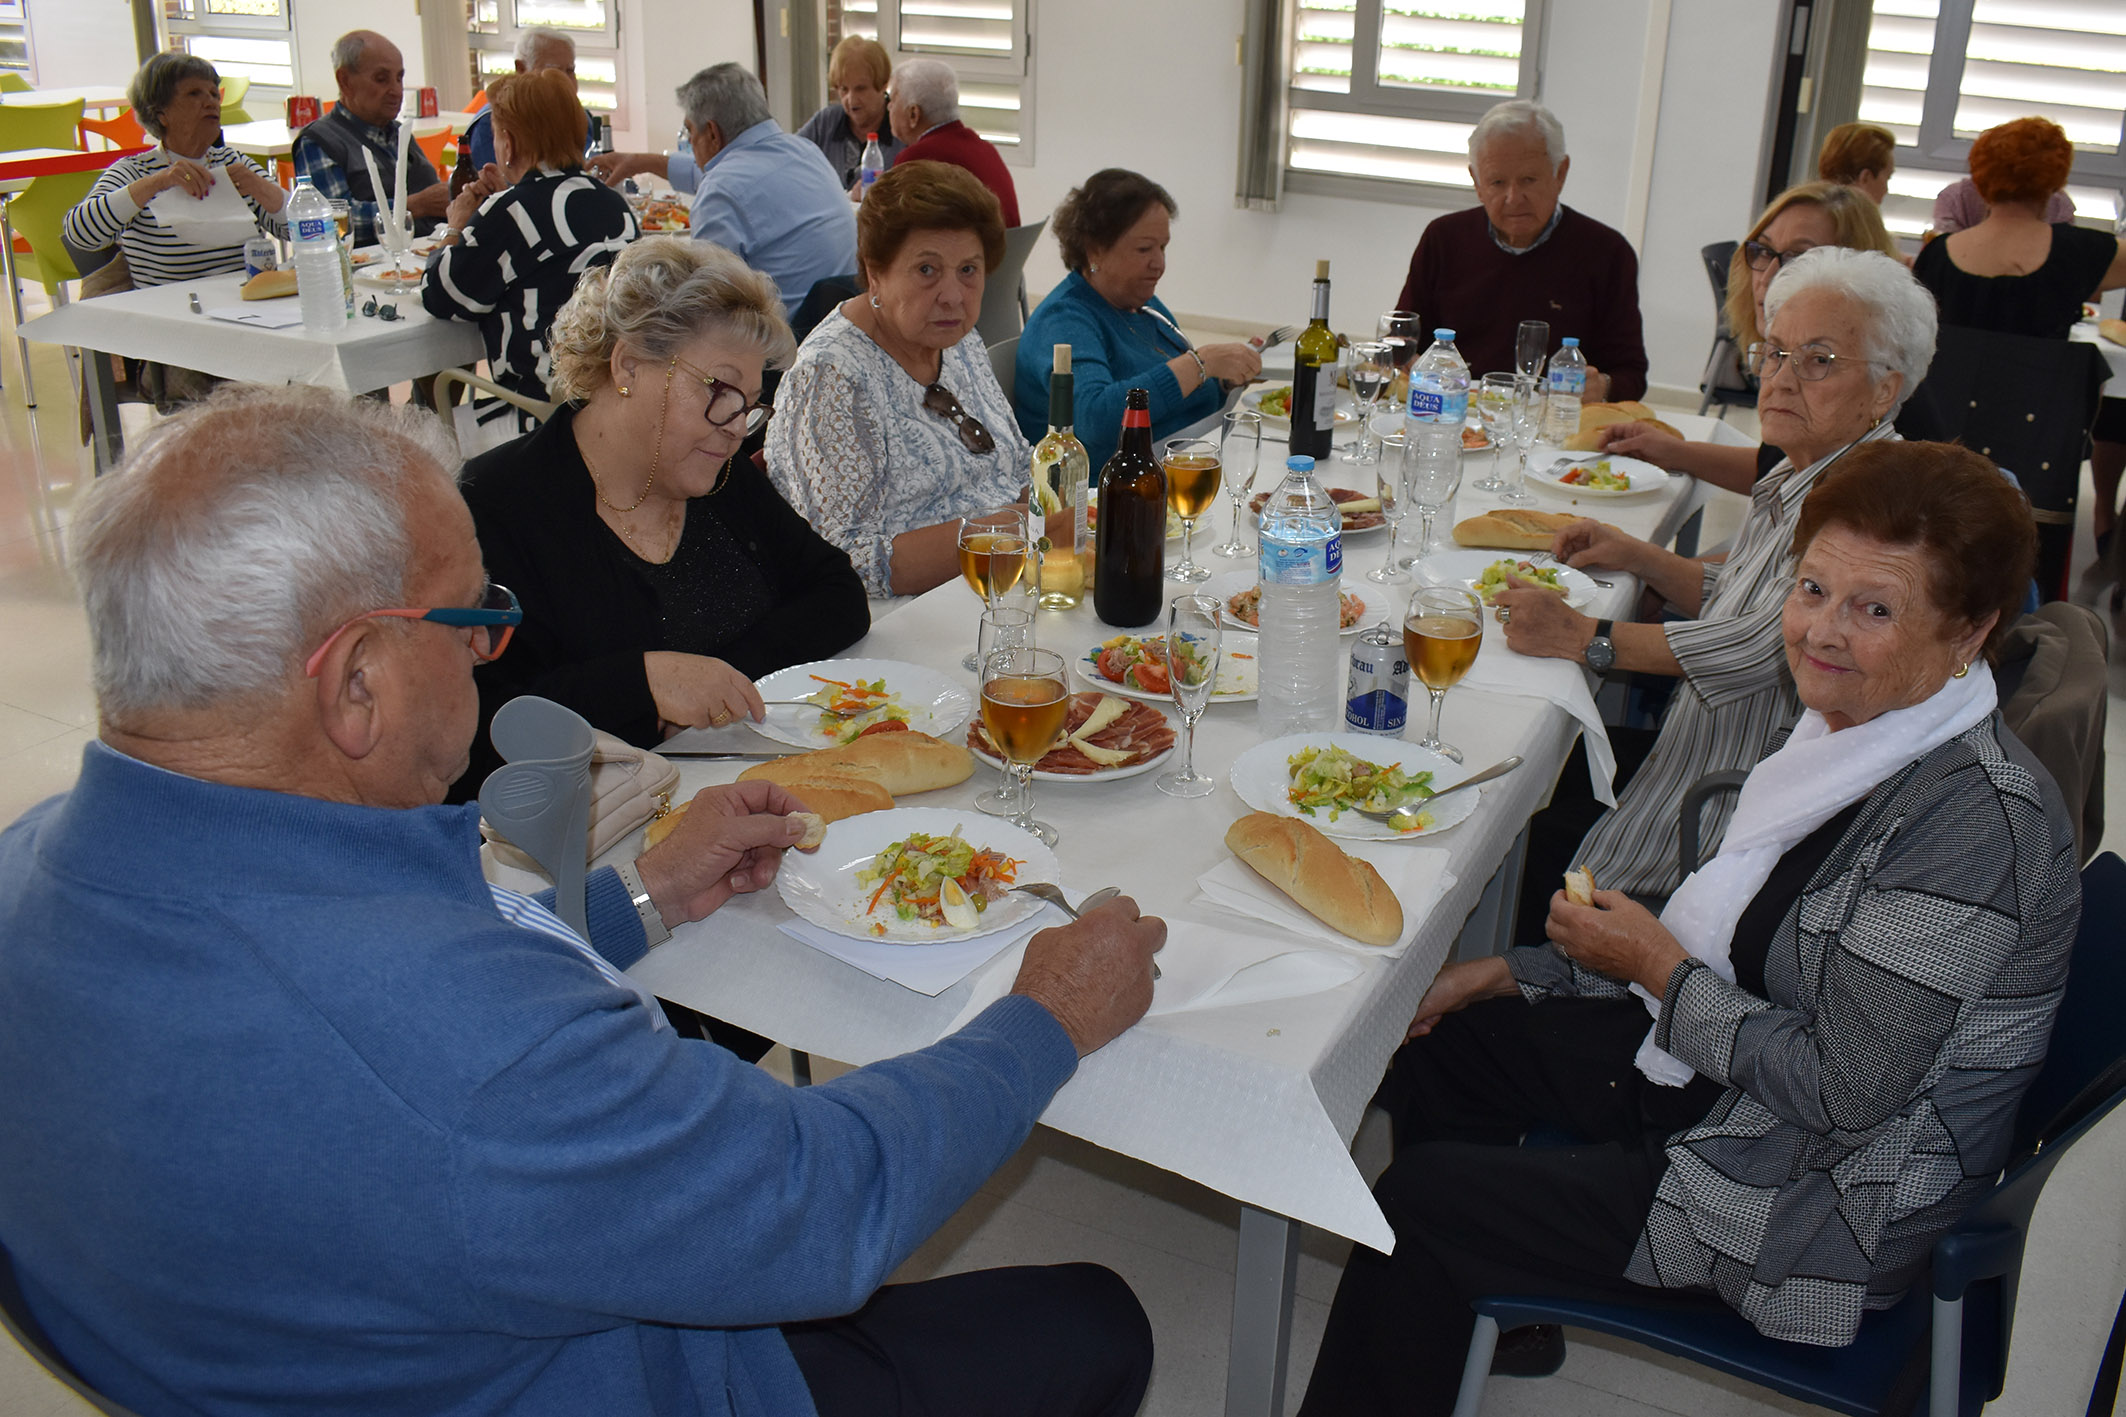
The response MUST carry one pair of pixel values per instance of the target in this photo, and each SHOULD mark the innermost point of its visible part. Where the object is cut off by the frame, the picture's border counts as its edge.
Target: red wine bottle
(1129, 548)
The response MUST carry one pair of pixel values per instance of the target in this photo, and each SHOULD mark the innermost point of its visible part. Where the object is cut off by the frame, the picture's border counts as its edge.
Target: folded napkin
(221, 218)
(926, 969)
(1417, 874)
(1561, 681)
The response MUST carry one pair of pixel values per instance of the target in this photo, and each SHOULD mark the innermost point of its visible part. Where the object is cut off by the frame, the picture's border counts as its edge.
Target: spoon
(1042, 890)
(1498, 769)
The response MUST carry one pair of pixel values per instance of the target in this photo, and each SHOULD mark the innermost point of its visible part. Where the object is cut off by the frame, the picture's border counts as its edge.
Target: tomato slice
(1114, 664)
(1151, 676)
(886, 725)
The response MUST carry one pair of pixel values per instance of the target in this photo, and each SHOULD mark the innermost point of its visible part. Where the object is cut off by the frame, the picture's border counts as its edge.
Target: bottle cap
(1446, 335)
(1572, 342)
(1300, 463)
(1062, 359)
(1321, 270)
(870, 137)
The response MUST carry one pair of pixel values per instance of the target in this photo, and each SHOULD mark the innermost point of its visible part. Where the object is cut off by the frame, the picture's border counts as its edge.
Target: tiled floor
(1059, 1199)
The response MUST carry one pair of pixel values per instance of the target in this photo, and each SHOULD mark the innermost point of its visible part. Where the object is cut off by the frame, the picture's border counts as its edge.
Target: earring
(1092, 268)
(874, 300)
(1961, 671)
(624, 391)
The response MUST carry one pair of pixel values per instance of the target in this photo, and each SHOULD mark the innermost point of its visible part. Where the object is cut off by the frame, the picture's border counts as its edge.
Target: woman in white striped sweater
(177, 98)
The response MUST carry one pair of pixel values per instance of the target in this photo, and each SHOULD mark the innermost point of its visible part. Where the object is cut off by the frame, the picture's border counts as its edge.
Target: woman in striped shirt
(177, 98)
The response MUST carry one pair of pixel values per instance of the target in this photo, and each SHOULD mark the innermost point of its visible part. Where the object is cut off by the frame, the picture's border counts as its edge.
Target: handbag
(629, 786)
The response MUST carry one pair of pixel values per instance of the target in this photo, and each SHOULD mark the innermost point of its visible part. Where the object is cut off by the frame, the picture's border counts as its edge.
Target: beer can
(1377, 695)
(302, 110)
(427, 105)
(261, 253)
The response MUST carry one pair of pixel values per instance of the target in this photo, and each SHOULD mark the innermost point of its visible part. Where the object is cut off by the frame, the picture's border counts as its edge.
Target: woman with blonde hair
(857, 72)
(1859, 155)
(660, 573)
(1799, 219)
(520, 236)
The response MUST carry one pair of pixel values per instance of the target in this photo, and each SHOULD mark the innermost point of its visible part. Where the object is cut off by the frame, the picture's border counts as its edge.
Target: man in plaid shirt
(372, 78)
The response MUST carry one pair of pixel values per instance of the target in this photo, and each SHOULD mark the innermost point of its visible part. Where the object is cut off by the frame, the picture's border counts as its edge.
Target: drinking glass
(1531, 346)
(1431, 490)
(1008, 627)
(1241, 455)
(1404, 334)
(1495, 394)
(395, 236)
(1025, 707)
(994, 546)
(1441, 635)
(1389, 480)
(1527, 423)
(1192, 640)
(1371, 373)
(1192, 472)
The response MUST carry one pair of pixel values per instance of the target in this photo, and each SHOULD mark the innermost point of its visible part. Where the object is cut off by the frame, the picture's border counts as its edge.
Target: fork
(1278, 336)
(1498, 769)
(1042, 890)
(1539, 557)
(807, 703)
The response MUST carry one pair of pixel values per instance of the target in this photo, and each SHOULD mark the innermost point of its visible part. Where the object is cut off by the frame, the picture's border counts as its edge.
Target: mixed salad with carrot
(872, 708)
(945, 880)
(1142, 663)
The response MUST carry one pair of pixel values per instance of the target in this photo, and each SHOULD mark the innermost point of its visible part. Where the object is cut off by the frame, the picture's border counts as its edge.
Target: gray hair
(929, 84)
(1900, 314)
(660, 294)
(239, 533)
(1519, 117)
(529, 41)
(348, 49)
(726, 95)
(157, 82)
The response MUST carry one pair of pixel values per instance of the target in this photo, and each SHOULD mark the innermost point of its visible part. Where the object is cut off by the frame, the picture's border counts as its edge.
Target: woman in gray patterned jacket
(1794, 1080)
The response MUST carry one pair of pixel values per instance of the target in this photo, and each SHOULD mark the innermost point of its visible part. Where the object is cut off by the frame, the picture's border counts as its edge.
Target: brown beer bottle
(1129, 548)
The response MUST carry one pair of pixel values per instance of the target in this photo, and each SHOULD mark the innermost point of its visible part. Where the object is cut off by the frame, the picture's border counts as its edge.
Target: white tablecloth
(2114, 355)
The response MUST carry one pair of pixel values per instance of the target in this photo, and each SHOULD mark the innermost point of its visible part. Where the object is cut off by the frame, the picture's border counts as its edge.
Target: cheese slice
(1105, 712)
(1359, 506)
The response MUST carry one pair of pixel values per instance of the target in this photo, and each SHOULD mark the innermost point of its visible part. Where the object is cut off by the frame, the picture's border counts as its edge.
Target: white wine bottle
(1062, 478)
(1313, 411)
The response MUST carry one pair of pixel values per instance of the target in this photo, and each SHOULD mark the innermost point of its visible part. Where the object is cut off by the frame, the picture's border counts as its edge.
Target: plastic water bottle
(320, 277)
(1568, 380)
(1300, 657)
(870, 165)
(1439, 404)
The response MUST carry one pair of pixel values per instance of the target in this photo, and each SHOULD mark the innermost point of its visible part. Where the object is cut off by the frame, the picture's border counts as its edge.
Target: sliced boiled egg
(953, 903)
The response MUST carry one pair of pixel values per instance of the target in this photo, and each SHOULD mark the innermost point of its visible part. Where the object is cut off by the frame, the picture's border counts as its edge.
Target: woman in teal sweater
(1113, 232)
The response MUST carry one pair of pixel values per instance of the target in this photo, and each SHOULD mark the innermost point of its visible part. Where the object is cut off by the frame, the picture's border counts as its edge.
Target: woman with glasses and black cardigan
(660, 573)
(890, 424)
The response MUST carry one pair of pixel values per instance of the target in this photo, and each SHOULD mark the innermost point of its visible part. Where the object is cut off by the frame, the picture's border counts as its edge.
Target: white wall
(317, 23)
(668, 42)
(81, 42)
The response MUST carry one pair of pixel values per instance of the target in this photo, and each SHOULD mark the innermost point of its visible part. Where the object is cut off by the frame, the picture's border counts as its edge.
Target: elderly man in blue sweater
(302, 1116)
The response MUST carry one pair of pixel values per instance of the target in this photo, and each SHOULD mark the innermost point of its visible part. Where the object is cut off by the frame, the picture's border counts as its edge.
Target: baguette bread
(1580, 886)
(269, 285)
(1594, 417)
(1338, 889)
(833, 798)
(898, 762)
(1512, 529)
(662, 827)
(2113, 330)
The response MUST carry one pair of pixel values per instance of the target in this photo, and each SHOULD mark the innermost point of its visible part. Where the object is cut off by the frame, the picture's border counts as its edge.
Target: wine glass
(1531, 346)
(1441, 635)
(1527, 423)
(1495, 394)
(1371, 373)
(395, 234)
(1025, 707)
(1241, 455)
(1389, 480)
(1192, 473)
(1404, 334)
(1430, 487)
(1008, 627)
(1192, 641)
(994, 546)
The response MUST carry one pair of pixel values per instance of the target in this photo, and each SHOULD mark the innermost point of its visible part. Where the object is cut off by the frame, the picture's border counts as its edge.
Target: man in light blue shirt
(767, 195)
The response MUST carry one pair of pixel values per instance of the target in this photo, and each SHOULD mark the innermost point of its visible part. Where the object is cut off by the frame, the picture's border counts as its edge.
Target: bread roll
(899, 762)
(1594, 417)
(1580, 886)
(833, 798)
(269, 285)
(662, 827)
(1513, 529)
(2113, 330)
(1341, 891)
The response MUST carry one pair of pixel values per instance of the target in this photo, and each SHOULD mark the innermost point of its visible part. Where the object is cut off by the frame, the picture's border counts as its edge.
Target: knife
(719, 753)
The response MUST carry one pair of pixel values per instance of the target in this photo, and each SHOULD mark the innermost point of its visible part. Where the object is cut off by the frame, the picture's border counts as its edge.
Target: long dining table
(1256, 1100)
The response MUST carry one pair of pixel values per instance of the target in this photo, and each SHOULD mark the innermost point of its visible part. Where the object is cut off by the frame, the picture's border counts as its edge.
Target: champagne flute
(1390, 478)
(1008, 627)
(1531, 346)
(1371, 373)
(1192, 473)
(1494, 405)
(1527, 423)
(1430, 488)
(1241, 455)
(1441, 635)
(1192, 653)
(1025, 708)
(994, 546)
(395, 235)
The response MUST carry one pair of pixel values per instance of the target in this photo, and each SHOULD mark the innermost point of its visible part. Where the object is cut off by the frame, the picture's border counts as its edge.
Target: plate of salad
(916, 875)
(1485, 573)
(1275, 406)
(1320, 777)
(875, 691)
(1604, 477)
(1135, 666)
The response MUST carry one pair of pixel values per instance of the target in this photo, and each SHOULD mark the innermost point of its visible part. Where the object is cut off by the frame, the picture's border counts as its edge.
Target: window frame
(1938, 145)
(1014, 67)
(281, 26)
(15, 20)
(504, 41)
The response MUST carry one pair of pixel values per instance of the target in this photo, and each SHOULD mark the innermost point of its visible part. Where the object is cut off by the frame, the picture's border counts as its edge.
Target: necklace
(661, 552)
(598, 482)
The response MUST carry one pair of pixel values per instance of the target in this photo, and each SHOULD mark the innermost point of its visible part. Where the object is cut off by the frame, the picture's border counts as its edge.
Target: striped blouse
(1734, 694)
(154, 253)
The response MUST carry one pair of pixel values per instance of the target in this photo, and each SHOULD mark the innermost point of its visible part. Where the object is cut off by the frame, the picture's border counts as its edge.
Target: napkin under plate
(926, 969)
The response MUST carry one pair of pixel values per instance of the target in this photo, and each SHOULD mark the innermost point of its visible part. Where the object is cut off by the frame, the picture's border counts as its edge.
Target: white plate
(1462, 568)
(1387, 423)
(1645, 477)
(1262, 776)
(1346, 410)
(1255, 516)
(1238, 670)
(1101, 775)
(372, 278)
(821, 886)
(1224, 588)
(936, 704)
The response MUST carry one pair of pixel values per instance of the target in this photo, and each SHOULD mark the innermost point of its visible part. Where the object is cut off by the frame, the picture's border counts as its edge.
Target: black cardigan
(590, 613)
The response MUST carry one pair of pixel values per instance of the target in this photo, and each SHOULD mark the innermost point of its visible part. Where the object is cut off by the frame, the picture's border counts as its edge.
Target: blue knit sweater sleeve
(727, 1197)
(1106, 363)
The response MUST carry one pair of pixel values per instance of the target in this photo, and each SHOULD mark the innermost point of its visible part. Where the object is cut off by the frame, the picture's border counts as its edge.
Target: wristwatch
(655, 932)
(1600, 653)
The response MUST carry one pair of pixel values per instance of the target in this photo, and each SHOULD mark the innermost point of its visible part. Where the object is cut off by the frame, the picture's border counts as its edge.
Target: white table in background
(1257, 1101)
(272, 138)
(2114, 355)
(158, 323)
(94, 98)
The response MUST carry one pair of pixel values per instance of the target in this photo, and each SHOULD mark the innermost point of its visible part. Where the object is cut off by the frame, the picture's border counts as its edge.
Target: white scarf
(1814, 777)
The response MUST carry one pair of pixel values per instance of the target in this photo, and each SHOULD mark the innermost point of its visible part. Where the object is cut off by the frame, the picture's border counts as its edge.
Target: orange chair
(434, 148)
(479, 101)
(120, 130)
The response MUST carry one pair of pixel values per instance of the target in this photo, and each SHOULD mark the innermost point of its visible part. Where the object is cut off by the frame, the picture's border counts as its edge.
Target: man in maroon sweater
(1522, 255)
(924, 110)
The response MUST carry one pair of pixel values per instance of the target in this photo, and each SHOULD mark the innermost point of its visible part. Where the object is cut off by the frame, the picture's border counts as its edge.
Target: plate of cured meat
(1107, 737)
(1361, 510)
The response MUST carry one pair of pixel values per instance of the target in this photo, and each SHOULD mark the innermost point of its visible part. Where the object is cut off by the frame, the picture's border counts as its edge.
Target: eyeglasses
(727, 401)
(492, 622)
(939, 400)
(1762, 257)
(1811, 363)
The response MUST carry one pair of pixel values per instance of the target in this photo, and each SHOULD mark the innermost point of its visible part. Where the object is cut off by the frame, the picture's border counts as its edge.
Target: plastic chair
(233, 90)
(1723, 381)
(33, 216)
(1949, 1336)
(14, 81)
(434, 147)
(120, 130)
(22, 1325)
(1004, 363)
(1004, 294)
(40, 125)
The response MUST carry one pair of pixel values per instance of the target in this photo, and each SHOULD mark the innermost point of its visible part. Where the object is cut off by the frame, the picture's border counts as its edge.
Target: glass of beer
(1242, 453)
(1192, 639)
(1441, 635)
(994, 547)
(1006, 628)
(1192, 476)
(1025, 707)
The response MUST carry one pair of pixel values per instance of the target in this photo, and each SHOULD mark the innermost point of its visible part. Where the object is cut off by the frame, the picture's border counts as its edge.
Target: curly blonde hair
(660, 294)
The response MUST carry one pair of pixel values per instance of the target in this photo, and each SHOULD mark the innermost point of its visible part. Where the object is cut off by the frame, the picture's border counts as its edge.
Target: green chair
(233, 90)
(14, 81)
(40, 125)
(33, 218)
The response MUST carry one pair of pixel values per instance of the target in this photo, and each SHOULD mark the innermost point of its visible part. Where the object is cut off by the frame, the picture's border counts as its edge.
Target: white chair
(1004, 295)
(462, 425)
